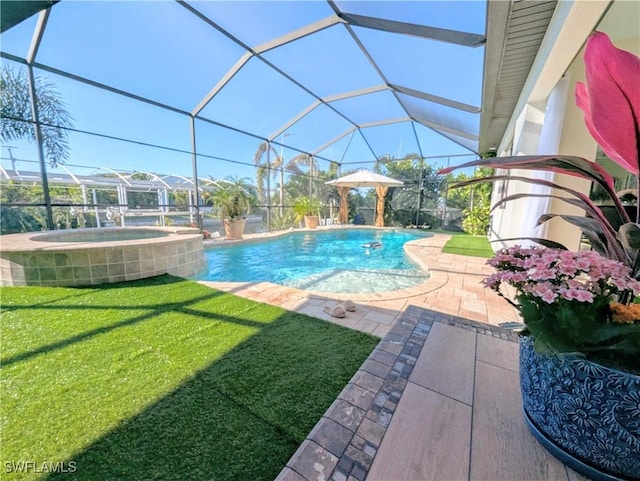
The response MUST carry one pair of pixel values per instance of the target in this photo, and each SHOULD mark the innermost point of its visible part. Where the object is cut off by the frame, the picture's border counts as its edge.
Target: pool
(330, 261)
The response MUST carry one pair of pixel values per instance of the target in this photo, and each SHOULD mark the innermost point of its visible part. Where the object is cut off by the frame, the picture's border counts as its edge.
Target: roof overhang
(515, 31)
(15, 12)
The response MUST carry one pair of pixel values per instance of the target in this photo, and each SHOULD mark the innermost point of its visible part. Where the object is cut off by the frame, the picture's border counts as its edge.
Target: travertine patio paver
(400, 421)
(426, 421)
(446, 366)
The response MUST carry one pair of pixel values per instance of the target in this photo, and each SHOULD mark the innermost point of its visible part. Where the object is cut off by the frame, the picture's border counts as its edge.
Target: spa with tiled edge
(99, 256)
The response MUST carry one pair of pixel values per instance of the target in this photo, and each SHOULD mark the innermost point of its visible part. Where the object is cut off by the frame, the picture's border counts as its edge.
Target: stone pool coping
(24, 260)
(28, 241)
(344, 443)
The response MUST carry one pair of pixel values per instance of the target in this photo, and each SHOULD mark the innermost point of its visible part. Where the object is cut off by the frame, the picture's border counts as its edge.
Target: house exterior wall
(574, 140)
(560, 56)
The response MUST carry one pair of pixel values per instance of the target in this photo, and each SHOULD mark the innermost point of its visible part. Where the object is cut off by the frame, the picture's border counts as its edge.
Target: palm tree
(262, 168)
(310, 162)
(278, 165)
(233, 197)
(324, 191)
(15, 114)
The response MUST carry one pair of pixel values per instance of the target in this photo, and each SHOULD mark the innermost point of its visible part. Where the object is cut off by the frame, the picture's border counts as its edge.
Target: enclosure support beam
(419, 203)
(415, 134)
(95, 207)
(268, 186)
(436, 99)
(456, 37)
(35, 117)
(441, 128)
(312, 174)
(39, 141)
(194, 163)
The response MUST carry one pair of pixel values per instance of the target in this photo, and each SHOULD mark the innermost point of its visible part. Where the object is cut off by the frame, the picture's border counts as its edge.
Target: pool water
(332, 261)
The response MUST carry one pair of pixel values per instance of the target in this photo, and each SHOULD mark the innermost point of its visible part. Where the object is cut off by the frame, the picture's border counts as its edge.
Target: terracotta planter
(233, 229)
(311, 221)
(584, 413)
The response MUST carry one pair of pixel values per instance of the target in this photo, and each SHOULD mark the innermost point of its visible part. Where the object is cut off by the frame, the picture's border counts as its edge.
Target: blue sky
(160, 50)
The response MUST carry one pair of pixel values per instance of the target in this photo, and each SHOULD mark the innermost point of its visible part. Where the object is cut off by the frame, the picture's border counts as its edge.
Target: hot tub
(97, 256)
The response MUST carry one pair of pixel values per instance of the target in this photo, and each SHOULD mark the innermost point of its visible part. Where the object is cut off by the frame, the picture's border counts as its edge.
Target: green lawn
(163, 379)
(468, 245)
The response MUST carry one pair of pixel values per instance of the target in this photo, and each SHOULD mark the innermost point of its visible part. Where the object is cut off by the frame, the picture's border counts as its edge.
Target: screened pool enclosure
(145, 108)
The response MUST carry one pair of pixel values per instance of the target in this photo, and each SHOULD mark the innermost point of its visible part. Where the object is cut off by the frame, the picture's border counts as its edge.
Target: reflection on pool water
(329, 261)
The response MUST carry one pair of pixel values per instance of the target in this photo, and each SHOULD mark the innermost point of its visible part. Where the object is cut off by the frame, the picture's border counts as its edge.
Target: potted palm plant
(307, 208)
(580, 341)
(233, 197)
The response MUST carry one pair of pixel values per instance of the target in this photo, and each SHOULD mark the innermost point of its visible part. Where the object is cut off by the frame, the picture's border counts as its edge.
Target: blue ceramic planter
(585, 414)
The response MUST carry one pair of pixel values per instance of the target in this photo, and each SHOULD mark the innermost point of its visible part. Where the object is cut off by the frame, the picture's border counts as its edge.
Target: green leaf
(629, 237)
(592, 229)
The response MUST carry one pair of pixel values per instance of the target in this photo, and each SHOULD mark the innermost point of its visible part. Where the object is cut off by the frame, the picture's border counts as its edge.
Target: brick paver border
(343, 444)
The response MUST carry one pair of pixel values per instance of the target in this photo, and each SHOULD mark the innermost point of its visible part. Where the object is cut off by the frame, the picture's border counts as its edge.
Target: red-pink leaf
(583, 101)
(613, 113)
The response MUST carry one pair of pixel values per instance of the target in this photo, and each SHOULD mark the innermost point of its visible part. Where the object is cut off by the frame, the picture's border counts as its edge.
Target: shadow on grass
(84, 291)
(241, 418)
(243, 415)
(54, 346)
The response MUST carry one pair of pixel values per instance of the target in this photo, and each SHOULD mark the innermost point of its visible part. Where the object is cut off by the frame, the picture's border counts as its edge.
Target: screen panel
(120, 44)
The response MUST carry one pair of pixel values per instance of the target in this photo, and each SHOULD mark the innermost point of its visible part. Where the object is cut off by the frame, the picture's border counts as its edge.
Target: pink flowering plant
(564, 299)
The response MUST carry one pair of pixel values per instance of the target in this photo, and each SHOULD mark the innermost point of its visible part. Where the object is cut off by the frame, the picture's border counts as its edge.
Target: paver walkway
(438, 399)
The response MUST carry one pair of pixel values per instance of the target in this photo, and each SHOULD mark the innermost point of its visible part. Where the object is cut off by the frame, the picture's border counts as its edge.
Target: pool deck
(438, 399)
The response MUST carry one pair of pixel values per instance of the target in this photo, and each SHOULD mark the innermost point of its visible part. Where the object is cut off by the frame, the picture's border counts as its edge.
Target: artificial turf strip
(469, 245)
(164, 379)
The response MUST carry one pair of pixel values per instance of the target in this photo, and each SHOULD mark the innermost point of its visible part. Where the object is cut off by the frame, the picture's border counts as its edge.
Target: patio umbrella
(363, 178)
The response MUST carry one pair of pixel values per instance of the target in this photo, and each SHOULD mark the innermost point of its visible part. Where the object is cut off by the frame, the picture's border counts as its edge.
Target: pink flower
(583, 264)
(493, 281)
(620, 282)
(549, 296)
(634, 285)
(544, 291)
(568, 268)
(541, 274)
(584, 296)
(611, 100)
(519, 277)
(553, 274)
(577, 294)
(567, 257)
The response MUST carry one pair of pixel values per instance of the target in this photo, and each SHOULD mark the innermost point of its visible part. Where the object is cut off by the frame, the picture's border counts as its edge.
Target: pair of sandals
(340, 310)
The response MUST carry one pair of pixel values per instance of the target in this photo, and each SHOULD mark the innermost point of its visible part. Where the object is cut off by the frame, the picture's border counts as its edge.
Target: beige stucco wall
(576, 140)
